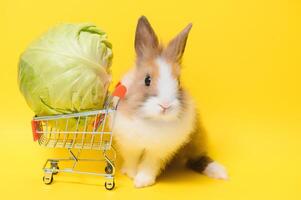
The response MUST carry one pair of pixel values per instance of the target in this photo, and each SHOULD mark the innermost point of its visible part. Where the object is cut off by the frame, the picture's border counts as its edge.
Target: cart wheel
(55, 171)
(109, 169)
(48, 180)
(55, 167)
(110, 185)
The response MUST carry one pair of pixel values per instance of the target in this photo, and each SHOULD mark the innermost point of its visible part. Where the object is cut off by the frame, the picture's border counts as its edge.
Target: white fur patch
(143, 180)
(157, 136)
(167, 84)
(216, 170)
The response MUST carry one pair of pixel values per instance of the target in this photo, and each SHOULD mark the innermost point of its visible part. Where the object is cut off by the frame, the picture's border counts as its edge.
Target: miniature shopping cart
(91, 130)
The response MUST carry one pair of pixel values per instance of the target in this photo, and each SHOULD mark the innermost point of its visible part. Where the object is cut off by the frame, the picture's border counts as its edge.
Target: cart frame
(90, 130)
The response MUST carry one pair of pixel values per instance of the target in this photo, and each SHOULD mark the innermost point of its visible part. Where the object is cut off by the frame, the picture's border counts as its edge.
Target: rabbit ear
(146, 41)
(175, 49)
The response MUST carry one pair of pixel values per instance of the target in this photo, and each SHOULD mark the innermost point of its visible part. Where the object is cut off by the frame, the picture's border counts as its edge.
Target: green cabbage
(66, 70)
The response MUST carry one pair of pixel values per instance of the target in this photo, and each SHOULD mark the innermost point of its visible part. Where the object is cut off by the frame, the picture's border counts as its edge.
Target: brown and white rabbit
(157, 120)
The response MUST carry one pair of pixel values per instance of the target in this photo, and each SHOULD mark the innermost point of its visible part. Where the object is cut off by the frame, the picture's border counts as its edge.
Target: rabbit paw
(143, 180)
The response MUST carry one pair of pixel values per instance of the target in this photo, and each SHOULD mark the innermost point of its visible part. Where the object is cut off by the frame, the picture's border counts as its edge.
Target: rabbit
(157, 121)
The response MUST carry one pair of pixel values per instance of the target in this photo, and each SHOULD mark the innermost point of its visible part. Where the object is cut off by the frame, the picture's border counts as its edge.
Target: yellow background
(241, 64)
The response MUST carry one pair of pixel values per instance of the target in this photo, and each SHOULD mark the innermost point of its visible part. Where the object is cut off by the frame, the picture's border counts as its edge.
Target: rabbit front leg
(148, 169)
(131, 158)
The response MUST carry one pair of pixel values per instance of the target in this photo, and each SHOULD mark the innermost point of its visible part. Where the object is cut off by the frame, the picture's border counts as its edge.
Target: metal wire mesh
(85, 130)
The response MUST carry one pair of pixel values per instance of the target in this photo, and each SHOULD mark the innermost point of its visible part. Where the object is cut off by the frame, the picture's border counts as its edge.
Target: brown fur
(176, 47)
(146, 41)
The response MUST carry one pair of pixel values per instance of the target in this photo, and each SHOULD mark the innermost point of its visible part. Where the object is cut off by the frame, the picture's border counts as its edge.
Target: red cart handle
(120, 91)
(34, 126)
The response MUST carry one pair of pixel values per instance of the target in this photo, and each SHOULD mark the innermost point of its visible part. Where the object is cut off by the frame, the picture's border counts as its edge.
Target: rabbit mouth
(167, 117)
(157, 113)
(155, 109)
(166, 112)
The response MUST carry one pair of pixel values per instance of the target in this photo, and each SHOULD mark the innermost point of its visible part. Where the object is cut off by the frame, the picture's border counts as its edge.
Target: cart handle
(34, 126)
(119, 93)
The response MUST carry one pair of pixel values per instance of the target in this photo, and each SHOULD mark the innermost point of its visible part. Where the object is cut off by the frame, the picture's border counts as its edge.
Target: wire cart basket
(91, 130)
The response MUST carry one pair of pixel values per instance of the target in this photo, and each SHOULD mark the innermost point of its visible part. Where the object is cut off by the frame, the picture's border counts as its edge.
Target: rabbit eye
(147, 80)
